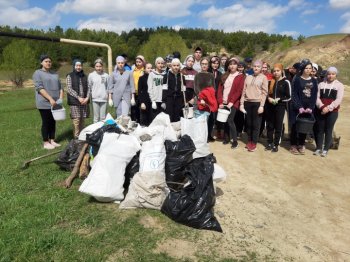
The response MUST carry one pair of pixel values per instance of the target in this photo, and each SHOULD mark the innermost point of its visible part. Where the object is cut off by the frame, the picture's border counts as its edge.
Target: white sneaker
(317, 152)
(324, 153)
(48, 146)
(55, 144)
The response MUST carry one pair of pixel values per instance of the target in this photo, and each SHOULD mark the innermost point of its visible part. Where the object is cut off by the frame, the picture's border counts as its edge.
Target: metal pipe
(64, 40)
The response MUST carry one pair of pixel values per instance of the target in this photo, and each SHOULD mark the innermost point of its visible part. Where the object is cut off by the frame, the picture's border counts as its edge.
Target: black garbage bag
(178, 155)
(95, 139)
(67, 158)
(193, 204)
(131, 169)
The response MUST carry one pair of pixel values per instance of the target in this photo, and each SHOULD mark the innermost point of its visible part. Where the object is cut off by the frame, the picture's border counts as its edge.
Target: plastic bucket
(305, 125)
(188, 112)
(223, 115)
(59, 114)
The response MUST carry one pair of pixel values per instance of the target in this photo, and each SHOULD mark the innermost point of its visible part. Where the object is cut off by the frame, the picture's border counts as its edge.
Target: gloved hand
(110, 102)
(261, 110)
(271, 100)
(277, 99)
(154, 105)
(143, 106)
(59, 101)
(132, 101)
(308, 110)
(301, 110)
(241, 108)
(163, 106)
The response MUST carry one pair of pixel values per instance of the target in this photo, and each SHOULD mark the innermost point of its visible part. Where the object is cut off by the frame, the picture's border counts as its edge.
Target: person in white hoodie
(155, 86)
(97, 82)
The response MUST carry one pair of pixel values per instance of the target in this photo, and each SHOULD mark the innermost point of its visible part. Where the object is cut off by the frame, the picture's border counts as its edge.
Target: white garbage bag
(106, 178)
(146, 190)
(219, 174)
(197, 129)
(153, 154)
(93, 127)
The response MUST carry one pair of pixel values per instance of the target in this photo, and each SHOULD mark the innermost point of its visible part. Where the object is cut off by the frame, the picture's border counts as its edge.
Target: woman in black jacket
(144, 99)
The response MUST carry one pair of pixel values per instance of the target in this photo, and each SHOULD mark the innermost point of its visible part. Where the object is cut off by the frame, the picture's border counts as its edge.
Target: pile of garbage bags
(165, 166)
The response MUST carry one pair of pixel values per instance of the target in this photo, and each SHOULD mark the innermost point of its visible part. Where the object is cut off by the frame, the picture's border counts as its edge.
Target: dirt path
(284, 207)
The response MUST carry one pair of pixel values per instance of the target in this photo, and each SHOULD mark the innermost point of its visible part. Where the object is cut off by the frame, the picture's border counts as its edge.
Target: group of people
(255, 96)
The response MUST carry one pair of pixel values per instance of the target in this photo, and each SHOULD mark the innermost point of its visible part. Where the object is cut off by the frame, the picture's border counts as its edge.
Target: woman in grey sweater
(48, 93)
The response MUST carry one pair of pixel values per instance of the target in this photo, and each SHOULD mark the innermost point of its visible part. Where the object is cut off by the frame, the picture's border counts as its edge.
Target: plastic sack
(197, 129)
(193, 204)
(95, 139)
(152, 156)
(67, 158)
(178, 155)
(106, 178)
(147, 190)
(131, 169)
(219, 174)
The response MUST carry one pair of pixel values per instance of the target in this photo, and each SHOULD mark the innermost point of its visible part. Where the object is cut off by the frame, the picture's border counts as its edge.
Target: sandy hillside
(281, 206)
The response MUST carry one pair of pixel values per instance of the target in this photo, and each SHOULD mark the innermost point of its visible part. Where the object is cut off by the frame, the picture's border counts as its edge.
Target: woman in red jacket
(229, 95)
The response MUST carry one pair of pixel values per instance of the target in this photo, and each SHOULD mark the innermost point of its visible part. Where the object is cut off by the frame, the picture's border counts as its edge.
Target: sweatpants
(274, 116)
(122, 109)
(230, 126)
(99, 109)
(146, 115)
(253, 120)
(48, 125)
(297, 139)
(325, 125)
(174, 107)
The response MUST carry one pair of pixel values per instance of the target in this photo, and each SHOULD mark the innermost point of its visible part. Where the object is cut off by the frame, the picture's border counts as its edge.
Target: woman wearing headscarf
(229, 95)
(97, 82)
(329, 97)
(48, 93)
(189, 73)
(120, 88)
(78, 94)
(304, 95)
(137, 72)
(252, 103)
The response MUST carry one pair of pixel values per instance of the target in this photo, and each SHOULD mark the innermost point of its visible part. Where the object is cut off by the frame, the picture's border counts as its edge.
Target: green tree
(161, 44)
(19, 60)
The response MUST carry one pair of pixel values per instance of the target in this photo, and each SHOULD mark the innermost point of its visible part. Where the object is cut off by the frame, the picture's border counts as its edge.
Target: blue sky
(293, 17)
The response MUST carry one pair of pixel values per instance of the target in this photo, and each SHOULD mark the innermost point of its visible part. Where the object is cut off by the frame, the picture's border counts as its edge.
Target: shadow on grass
(66, 135)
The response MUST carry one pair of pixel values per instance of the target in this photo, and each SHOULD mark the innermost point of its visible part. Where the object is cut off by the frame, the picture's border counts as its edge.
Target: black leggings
(274, 121)
(325, 124)
(253, 121)
(230, 126)
(48, 126)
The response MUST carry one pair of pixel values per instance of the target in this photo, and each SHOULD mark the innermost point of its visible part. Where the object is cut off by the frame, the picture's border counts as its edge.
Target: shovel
(27, 163)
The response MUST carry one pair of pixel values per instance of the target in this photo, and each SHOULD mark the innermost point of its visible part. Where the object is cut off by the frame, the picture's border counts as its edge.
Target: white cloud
(29, 17)
(309, 12)
(318, 27)
(9, 3)
(293, 34)
(346, 26)
(260, 17)
(126, 9)
(107, 24)
(339, 4)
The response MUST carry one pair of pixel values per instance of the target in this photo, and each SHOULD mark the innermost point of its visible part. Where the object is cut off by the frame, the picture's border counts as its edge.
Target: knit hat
(120, 59)
(98, 61)
(332, 69)
(279, 66)
(43, 57)
(159, 60)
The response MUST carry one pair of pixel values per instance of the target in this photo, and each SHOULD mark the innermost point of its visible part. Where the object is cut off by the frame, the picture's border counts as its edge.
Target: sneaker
(324, 153)
(252, 147)
(268, 147)
(54, 144)
(294, 150)
(274, 149)
(48, 146)
(317, 152)
(247, 145)
(301, 150)
(234, 145)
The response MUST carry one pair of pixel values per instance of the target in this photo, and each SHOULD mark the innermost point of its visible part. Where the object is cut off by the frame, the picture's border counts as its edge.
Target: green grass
(41, 221)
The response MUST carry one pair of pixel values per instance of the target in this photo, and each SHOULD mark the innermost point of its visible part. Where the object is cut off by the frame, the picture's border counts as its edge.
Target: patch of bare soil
(148, 221)
(178, 248)
(284, 207)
